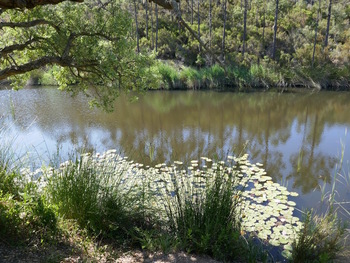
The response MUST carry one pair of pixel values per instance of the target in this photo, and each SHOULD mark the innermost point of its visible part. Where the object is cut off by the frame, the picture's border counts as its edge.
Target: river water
(298, 137)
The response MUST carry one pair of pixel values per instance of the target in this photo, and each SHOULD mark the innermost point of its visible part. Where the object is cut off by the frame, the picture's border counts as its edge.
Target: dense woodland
(302, 40)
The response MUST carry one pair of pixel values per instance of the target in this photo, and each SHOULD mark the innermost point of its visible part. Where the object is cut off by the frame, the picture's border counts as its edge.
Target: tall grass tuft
(191, 78)
(25, 217)
(169, 75)
(94, 193)
(203, 211)
(319, 240)
(9, 177)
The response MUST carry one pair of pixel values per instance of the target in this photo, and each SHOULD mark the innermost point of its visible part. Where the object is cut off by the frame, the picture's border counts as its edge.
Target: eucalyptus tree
(328, 22)
(275, 31)
(89, 43)
(316, 28)
(224, 29)
(137, 27)
(199, 23)
(244, 26)
(152, 27)
(191, 12)
(157, 27)
(146, 8)
(210, 22)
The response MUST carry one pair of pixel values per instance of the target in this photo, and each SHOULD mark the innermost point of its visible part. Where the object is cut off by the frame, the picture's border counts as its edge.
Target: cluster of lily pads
(266, 211)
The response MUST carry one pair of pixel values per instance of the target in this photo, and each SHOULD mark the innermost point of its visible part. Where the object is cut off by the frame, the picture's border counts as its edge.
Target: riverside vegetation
(259, 44)
(224, 45)
(228, 210)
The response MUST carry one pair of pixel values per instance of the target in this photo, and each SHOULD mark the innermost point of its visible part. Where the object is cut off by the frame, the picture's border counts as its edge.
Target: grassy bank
(255, 77)
(172, 75)
(226, 210)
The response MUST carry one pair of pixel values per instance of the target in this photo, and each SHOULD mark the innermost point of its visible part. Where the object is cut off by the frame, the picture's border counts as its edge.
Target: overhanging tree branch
(12, 4)
(18, 47)
(28, 24)
(32, 65)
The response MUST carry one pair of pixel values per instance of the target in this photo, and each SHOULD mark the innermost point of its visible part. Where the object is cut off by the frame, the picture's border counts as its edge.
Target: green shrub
(26, 220)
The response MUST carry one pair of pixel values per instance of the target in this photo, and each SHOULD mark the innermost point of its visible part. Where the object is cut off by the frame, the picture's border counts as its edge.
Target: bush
(26, 220)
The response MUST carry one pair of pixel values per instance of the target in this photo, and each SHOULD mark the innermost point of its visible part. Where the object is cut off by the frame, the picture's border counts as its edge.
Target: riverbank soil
(68, 254)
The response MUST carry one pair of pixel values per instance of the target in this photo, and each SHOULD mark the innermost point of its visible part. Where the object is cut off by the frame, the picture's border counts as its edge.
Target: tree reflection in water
(296, 136)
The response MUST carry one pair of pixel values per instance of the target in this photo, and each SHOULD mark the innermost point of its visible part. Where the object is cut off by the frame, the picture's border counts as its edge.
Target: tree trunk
(328, 22)
(152, 27)
(315, 40)
(178, 21)
(191, 12)
(157, 24)
(146, 7)
(275, 31)
(137, 28)
(199, 23)
(224, 32)
(244, 26)
(210, 21)
(263, 36)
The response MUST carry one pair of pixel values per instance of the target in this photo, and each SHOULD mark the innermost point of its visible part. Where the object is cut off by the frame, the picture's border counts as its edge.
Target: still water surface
(298, 137)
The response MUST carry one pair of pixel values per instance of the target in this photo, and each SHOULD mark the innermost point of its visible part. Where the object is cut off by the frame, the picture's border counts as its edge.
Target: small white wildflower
(22, 215)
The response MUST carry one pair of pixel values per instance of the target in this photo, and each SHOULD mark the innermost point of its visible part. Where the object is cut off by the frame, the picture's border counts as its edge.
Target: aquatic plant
(98, 190)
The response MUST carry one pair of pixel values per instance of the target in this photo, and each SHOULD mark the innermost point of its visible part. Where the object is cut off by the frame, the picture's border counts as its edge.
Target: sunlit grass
(320, 238)
(205, 207)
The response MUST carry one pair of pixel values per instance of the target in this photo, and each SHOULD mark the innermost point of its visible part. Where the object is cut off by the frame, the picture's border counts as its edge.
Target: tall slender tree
(224, 30)
(137, 27)
(316, 29)
(328, 22)
(157, 26)
(263, 33)
(244, 26)
(146, 8)
(152, 26)
(199, 23)
(275, 31)
(210, 22)
(191, 12)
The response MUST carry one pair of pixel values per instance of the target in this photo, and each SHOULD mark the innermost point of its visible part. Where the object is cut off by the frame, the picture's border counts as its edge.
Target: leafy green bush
(27, 219)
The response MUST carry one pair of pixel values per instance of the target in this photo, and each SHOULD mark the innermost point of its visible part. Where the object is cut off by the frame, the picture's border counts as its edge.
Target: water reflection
(296, 136)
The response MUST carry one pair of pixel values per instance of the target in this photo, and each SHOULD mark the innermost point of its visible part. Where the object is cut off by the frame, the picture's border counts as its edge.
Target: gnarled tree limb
(12, 4)
(32, 65)
(18, 47)
(28, 24)
(164, 3)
